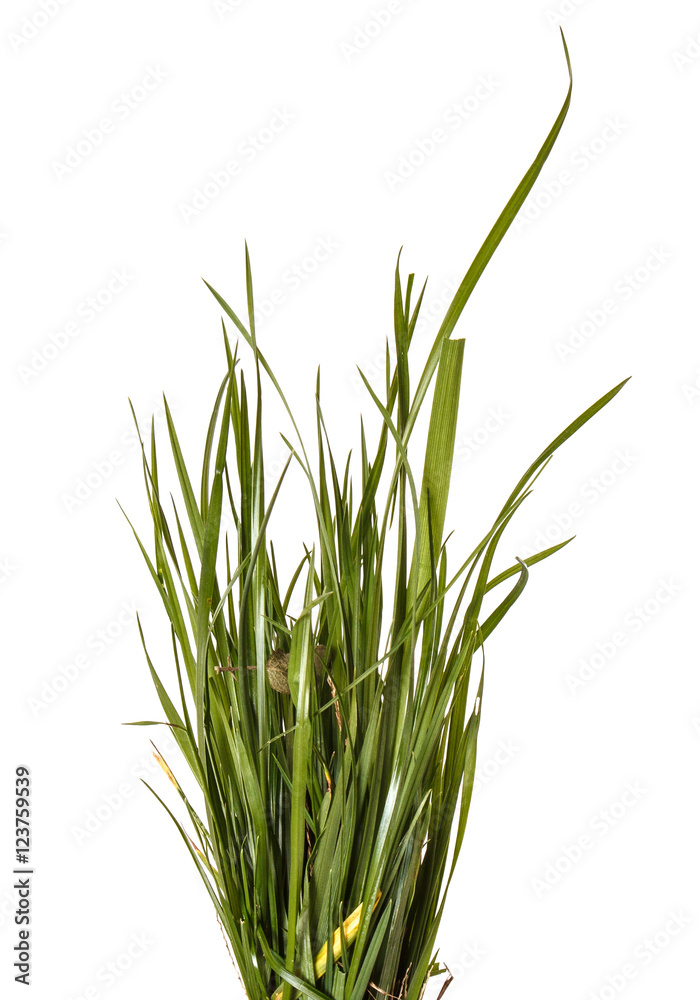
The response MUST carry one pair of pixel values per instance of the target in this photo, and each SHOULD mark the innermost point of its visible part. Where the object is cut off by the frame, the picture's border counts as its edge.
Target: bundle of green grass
(334, 748)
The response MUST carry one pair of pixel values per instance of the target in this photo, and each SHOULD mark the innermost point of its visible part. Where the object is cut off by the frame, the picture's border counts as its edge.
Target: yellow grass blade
(350, 928)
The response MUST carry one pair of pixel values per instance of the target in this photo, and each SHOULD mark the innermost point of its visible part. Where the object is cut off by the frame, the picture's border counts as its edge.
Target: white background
(109, 874)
